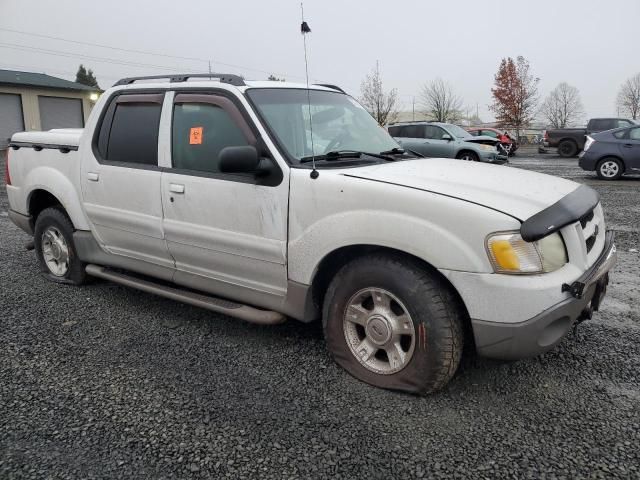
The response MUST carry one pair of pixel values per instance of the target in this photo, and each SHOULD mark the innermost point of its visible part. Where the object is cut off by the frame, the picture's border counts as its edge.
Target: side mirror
(239, 159)
(447, 137)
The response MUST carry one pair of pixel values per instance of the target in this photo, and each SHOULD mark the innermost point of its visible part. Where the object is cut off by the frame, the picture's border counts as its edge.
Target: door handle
(628, 145)
(93, 176)
(176, 188)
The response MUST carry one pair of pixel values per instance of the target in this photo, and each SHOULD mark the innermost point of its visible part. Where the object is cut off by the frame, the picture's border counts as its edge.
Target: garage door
(57, 112)
(11, 120)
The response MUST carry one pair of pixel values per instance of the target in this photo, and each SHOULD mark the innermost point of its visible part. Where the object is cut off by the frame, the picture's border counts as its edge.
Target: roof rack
(327, 85)
(229, 78)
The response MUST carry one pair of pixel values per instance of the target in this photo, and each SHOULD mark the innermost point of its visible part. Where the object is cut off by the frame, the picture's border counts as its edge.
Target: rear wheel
(468, 156)
(567, 148)
(392, 324)
(610, 168)
(55, 251)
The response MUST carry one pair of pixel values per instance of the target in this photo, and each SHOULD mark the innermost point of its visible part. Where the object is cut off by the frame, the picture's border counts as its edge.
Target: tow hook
(586, 314)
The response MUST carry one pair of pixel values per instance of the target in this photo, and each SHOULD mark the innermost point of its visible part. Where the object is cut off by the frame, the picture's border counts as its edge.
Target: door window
(634, 134)
(129, 130)
(490, 133)
(434, 133)
(200, 132)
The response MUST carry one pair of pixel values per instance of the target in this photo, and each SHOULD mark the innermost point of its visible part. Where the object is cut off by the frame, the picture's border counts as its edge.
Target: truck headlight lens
(509, 253)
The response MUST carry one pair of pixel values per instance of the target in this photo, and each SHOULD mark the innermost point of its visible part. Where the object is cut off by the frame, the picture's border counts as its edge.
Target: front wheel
(55, 251)
(468, 156)
(393, 324)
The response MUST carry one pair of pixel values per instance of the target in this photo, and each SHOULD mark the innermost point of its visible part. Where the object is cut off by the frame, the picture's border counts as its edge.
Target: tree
(440, 102)
(273, 78)
(86, 77)
(515, 94)
(629, 97)
(383, 106)
(562, 107)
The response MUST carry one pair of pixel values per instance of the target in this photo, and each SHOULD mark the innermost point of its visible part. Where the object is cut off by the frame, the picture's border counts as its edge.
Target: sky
(590, 44)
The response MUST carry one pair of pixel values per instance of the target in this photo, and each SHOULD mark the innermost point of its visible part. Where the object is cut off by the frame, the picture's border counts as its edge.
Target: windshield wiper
(340, 154)
(393, 151)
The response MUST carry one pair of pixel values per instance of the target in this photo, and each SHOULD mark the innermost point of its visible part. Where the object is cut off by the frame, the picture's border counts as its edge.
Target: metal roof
(41, 80)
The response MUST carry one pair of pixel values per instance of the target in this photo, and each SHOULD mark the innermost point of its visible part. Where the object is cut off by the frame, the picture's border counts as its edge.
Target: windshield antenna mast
(304, 29)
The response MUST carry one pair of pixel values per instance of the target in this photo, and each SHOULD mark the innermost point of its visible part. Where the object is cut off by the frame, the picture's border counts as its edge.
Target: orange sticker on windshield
(195, 136)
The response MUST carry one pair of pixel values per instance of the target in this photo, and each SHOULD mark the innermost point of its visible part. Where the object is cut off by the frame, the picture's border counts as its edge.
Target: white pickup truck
(265, 200)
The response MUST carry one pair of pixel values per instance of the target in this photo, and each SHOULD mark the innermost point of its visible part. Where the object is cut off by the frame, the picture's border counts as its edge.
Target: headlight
(489, 148)
(509, 253)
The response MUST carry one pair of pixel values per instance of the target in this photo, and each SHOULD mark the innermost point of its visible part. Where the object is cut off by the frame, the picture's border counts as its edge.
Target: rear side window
(620, 134)
(129, 129)
(395, 131)
(200, 132)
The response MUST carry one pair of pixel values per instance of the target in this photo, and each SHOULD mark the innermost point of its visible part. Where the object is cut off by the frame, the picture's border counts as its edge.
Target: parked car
(613, 153)
(445, 140)
(570, 141)
(212, 192)
(507, 141)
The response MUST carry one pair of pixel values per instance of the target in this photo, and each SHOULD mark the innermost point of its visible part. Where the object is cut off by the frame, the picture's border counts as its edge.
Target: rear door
(226, 232)
(120, 179)
(413, 138)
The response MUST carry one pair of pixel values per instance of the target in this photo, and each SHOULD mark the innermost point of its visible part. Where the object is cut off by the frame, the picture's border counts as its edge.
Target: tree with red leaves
(515, 94)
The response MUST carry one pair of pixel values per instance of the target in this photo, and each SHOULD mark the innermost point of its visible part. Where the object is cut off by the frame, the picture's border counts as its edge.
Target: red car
(506, 140)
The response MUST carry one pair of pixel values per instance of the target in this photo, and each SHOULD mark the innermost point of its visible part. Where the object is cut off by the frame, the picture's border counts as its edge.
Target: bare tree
(440, 102)
(562, 107)
(383, 106)
(515, 94)
(629, 97)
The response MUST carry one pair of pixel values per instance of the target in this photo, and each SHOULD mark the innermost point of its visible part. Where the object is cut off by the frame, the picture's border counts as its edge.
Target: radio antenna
(304, 29)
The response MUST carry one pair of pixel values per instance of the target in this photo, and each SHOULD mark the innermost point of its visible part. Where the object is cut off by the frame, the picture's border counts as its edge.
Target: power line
(48, 71)
(145, 52)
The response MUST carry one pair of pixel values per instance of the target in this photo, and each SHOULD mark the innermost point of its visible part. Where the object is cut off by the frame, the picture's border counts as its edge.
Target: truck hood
(516, 192)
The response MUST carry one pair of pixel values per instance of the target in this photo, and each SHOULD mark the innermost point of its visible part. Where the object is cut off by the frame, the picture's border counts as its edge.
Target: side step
(237, 310)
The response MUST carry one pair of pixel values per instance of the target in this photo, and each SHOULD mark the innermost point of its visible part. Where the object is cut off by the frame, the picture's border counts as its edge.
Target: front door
(630, 147)
(121, 179)
(437, 145)
(226, 232)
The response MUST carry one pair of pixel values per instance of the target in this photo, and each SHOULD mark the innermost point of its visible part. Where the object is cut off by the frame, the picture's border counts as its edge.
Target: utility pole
(209, 69)
(413, 108)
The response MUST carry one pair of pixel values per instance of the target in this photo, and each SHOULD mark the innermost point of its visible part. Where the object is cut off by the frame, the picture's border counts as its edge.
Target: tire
(609, 168)
(567, 148)
(55, 250)
(431, 333)
(468, 156)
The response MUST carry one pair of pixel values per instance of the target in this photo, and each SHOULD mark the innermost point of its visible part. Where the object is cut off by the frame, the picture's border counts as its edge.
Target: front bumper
(542, 332)
(493, 158)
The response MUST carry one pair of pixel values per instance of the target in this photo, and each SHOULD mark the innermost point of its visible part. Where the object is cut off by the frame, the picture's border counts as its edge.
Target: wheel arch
(329, 266)
(466, 150)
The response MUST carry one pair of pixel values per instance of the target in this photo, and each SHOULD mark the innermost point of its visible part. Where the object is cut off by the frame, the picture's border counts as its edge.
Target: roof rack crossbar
(327, 85)
(229, 78)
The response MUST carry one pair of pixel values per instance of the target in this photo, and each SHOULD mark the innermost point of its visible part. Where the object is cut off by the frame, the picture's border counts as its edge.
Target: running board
(232, 309)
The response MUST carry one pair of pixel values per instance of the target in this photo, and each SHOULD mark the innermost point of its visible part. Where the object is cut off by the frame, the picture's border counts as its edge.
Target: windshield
(458, 132)
(339, 122)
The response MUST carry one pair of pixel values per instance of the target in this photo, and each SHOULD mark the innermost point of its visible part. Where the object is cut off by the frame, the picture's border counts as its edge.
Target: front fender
(448, 233)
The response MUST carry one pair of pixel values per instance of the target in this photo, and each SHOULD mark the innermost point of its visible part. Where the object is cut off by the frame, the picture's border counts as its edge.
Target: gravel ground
(107, 382)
